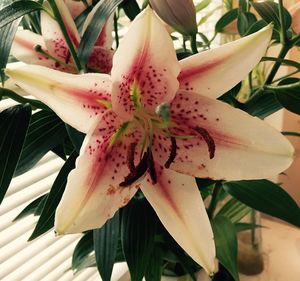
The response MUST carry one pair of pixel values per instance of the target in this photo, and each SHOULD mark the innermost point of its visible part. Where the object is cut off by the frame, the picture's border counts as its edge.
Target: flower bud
(295, 13)
(179, 14)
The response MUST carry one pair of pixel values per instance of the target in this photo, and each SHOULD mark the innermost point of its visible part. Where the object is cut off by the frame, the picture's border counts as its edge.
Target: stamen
(130, 157)
(139, 171)
(209, 141)
(173, 153)
(39, 49)
(151, 167)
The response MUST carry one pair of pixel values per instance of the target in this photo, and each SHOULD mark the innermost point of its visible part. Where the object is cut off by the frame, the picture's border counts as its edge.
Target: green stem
(284, 50)
(295, 39)
(39, 49)
(214, 200)
(194, 43)
(283, 87)
(286, 76)
(283, 37)
(250, 82)
(293, 134)
(116, 30)
(253, 230)
(64, 31)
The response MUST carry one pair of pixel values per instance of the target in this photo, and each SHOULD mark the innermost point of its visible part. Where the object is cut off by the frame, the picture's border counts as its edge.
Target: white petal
(214, 72)
(76, 99)
(145, 65)
(178, 203)
(245, 146)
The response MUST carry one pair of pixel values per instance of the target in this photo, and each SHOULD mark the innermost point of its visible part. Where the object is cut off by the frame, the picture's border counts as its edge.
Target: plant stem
(250, 81)
(294, 134)
(64, 31)
(283, 37)
(284, 50)
(116, 30)
(253, 230)
(214, 200)
(295, 39)
(283, 87)
(194, 43)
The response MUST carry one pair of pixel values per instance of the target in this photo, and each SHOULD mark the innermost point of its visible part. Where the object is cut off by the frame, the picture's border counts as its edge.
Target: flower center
(148, 123)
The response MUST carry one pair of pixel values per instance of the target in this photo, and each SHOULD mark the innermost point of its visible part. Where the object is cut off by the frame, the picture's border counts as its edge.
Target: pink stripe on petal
(93, 194)
(214, 72)
(145, 67)
(76, 99)
(191, 73)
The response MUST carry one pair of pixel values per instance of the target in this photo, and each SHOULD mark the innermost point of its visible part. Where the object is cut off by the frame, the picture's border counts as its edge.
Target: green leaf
(46, 220)
(202, 5)
(234, 210)
(289, 98)
(256, 26)
(262, 105)
(105, 9)
(230, 96)
(137, 232)
(226, 244)
(34, 103)
(131, 8)
(14, 123)
(226, 19)
(16, 10)
(106, 241)
(245, 21)
(7, 34)
(45, 132)
(30, 208)
(82, 251)
(267, 197)
(269, 11)
(76, 137)
(154, 268)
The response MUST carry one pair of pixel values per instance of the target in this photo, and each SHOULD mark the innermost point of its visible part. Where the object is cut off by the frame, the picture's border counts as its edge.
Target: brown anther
(138, 172)
(151, 167)
(130, 157)
(173, 153)
(208, 139)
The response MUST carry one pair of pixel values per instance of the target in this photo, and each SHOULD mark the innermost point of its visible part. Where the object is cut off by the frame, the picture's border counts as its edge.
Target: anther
(130, 157)
(173, 153)
(138, 172)
(209, 141)
(151, 167)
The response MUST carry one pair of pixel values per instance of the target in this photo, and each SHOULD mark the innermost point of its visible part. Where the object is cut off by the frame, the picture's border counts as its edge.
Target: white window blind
(48, 258)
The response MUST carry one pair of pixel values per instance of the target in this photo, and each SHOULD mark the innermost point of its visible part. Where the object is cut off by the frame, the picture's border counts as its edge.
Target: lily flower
(181, 15)
(50, 48)
(154, 124)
